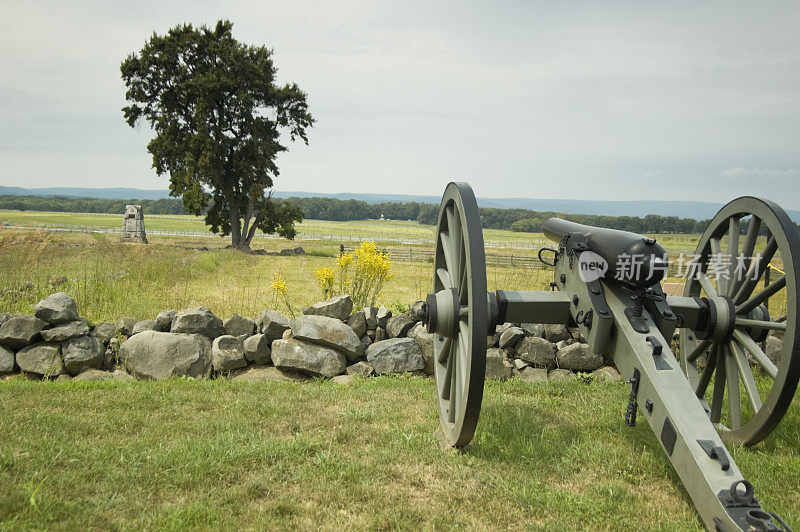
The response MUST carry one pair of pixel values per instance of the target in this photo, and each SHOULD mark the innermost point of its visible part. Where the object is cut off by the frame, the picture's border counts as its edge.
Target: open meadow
(224, 454)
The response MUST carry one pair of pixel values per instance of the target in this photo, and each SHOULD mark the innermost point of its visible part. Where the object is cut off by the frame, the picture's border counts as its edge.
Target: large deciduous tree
(220, 120)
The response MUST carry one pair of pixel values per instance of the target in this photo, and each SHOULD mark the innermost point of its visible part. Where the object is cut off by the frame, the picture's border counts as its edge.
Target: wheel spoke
(719, 387)
(756, 352)
(444, 277)
(769, 291)
(708, 371)
(455, 389)
(448, 377)
(716, 250)
(445, 353)
(747, 376)
(454, 231)
(746, 323)
(463, 291)
(698, 350)
(733, 251)
(734, 400)
(747, 254)
(447, 251)
(756, 270)
(705, 282)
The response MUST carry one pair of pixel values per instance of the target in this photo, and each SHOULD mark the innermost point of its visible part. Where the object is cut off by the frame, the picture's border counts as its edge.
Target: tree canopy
(220, 121)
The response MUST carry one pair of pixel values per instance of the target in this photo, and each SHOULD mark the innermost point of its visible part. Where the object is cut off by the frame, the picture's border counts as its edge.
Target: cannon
(722, 386)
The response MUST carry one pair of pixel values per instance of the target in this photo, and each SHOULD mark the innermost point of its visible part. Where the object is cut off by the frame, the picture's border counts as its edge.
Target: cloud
(761, 173)
(651, 173)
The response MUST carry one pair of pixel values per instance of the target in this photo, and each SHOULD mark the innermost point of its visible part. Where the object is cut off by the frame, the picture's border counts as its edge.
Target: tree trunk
(236, 229)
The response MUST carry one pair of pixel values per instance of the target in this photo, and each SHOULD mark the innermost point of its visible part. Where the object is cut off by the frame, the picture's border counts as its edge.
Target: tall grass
(109, 279)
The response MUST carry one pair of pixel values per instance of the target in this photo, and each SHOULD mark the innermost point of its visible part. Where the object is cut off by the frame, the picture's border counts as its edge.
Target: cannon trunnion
(607, 284)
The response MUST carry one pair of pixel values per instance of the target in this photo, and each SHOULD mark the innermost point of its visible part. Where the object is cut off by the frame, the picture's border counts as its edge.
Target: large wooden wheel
(745, 392)
(456, 314)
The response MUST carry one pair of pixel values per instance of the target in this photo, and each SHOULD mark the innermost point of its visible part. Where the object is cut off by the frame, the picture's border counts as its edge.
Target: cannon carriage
(722, 387)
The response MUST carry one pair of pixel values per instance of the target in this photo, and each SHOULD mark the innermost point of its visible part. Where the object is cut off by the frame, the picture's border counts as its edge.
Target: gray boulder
(5, 316)
(383, 316)
(104, 331)
(273, 324)
(497, 367)
(337, 307)
(267, 373)
(57, 308)
(65, 331)
(121, 375)
(529, 374)
(555, 333)
(398, 326)
(371, 316)
(503, 327)
(125, 325)
(366, 341)
(312, 359)
(414, 311)
(256, 349)
(7, 361)
(109, 359)
(43, 359)
(395, 355)
(607, 374)
(518, 364)
(91, 375)
(774, 348)
(537, 352)
(532, 329)
(144, 325)
(360, 369)
(381, 334)
(358, 322)
(578, 357)
(510, 337)
(561, 375)
(227, 354)
(239, 326)
(160, 355)
(197, 320)
(328, 332)
(20, 331)
(82, 353)
(424, 340)
(492, 340)
(343, 379)
(164, 320)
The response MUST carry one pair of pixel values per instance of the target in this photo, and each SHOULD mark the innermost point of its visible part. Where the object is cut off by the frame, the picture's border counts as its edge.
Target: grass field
(109, 279)
(222, 454)
(350, 231)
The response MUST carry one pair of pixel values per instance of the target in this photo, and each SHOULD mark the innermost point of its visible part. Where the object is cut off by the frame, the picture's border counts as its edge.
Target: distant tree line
(521, 220)
(95, 205)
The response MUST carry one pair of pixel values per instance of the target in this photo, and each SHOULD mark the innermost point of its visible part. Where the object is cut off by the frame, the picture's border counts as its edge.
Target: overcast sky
(595, 100)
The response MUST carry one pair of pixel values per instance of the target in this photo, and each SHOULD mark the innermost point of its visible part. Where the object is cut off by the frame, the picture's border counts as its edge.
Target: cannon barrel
(636, 260)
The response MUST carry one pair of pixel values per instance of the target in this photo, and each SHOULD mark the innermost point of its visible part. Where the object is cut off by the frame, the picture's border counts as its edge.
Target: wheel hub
(440, 313)
(720, 319)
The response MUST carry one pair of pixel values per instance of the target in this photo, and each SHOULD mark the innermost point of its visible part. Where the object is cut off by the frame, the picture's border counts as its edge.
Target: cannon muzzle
(632, 259)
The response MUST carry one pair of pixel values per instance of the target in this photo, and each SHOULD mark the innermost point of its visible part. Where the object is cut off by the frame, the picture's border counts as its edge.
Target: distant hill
(698, 210)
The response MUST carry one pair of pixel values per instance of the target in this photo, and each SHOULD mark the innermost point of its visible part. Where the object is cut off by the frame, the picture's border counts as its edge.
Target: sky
(578, 100)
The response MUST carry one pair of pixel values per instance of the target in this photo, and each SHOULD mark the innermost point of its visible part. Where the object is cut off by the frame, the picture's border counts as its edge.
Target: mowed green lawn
(222, 454)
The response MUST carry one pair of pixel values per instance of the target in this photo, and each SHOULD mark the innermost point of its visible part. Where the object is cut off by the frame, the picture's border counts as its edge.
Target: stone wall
(330, 340)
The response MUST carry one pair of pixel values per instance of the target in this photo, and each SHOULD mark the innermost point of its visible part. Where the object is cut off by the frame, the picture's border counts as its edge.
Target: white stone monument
(133, 225)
